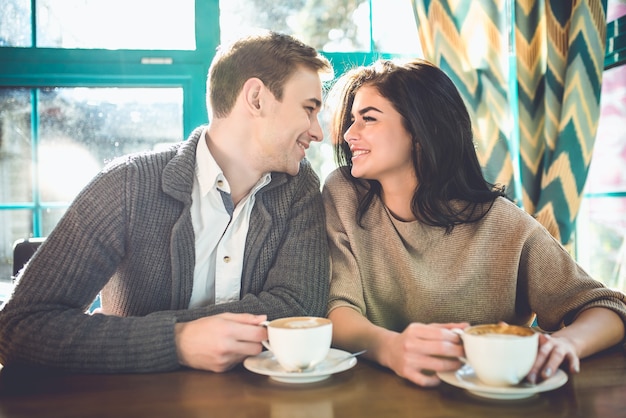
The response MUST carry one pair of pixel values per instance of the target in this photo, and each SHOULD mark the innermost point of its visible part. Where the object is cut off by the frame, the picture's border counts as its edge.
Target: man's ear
(252, 92)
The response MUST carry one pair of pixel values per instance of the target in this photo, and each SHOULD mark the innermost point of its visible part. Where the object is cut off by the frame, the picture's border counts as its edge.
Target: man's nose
(316, 132)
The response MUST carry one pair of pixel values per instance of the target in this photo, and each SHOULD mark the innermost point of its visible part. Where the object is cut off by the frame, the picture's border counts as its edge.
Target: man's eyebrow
(316, 102)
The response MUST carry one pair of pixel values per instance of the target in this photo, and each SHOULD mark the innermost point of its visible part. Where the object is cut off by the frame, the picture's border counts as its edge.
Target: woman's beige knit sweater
(506, 267)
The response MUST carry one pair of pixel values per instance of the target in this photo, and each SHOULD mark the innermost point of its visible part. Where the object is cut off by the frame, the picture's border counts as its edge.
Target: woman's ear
(252, 91)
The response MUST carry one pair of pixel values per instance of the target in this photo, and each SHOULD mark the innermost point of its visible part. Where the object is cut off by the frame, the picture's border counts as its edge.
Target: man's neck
(232, 157)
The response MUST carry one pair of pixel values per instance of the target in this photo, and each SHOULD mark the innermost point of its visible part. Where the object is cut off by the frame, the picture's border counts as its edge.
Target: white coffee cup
(299, 343)
(500, 354)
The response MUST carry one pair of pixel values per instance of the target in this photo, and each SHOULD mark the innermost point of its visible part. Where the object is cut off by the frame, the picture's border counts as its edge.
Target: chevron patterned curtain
(534, 101)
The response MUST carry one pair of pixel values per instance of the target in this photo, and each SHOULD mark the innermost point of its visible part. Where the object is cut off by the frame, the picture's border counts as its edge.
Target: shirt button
(220, 183)
(226, 259)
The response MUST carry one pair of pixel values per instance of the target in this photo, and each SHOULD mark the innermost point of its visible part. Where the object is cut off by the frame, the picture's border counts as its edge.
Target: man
(193, 247)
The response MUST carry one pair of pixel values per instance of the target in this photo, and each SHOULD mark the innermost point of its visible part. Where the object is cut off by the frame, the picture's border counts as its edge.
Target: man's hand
(218, 343)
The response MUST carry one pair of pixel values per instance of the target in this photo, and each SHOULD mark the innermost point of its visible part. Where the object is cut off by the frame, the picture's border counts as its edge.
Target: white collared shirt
(220, 240)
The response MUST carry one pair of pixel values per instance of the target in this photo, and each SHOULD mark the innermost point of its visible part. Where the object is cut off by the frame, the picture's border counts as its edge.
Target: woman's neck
(397, 197)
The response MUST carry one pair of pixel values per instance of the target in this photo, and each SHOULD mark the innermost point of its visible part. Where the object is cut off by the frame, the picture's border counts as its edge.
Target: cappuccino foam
(501, 330)
(299, 322)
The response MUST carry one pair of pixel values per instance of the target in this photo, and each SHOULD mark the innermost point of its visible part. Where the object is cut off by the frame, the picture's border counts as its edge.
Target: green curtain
(532, 90)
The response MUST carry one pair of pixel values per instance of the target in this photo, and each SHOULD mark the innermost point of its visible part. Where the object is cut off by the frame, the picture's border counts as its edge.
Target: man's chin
(294, 170)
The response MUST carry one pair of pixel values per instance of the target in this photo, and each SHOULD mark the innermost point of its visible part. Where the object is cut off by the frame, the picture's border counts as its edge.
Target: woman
(421, 243)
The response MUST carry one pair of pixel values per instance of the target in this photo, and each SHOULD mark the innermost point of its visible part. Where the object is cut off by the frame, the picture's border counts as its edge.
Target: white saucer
(465, 378)
(266, 364)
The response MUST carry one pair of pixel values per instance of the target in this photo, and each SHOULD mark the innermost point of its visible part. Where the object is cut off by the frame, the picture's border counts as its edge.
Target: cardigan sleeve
(45, 323)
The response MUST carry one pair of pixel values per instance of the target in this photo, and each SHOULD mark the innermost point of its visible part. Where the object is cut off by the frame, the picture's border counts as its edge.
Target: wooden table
(366, 390)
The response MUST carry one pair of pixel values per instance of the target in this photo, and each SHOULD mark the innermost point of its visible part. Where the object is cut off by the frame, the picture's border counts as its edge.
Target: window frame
(34, 68)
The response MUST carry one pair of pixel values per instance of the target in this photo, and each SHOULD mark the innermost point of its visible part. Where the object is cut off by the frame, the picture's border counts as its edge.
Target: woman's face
(380, 144)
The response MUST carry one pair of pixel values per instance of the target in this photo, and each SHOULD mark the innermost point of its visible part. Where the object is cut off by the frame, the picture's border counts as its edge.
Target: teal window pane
(14, 224)
(330, 26)
(49, 219)
(337, 26)
(15, 23)
(606, 172)
(116, 24)
(394, 28)
(601, 239)
(16, 149)
(83, 128)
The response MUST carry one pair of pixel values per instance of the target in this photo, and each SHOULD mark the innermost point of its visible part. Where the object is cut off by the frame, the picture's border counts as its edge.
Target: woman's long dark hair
(451, 187)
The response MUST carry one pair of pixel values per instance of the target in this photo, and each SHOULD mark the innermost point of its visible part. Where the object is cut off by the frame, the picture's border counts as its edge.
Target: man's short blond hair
(272, 57)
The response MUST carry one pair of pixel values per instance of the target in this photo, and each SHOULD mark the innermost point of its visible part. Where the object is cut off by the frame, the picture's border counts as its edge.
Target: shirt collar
(210, 175)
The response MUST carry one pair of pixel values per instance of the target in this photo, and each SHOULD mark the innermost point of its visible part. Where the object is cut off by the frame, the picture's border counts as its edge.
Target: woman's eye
(368, 119)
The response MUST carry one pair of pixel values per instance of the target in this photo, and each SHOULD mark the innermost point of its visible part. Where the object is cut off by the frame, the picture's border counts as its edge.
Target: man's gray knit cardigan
(129, 236)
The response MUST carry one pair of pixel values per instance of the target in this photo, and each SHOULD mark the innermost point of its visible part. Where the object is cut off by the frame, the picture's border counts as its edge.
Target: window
(75, 93)
(71, 88)
(88, 24)
(337, 26)
(78, 129)
(601, 224)
(138, 24)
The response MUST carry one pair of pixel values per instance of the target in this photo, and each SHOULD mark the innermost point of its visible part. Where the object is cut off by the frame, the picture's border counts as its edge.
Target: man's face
(291, 124)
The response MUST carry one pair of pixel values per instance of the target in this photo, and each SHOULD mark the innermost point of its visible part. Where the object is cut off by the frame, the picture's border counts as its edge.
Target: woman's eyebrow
(369, 108)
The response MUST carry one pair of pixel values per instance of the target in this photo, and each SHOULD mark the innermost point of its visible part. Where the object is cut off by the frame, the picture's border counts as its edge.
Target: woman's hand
(553, 351)
(422, 350)
(593, 330)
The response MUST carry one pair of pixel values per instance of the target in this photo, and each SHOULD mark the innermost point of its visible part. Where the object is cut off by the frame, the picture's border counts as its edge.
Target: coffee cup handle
(460, 333)
(266, 343)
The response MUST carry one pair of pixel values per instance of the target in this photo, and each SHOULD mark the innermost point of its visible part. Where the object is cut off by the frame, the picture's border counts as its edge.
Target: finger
(230, 352)
(422, 377)
(574, 363)
(556, 357)
(245, 332)
(562, 351)
(453, 325)
(244, 318)
(440, 343)
(245, 349)
(434, 331)
(450, 332)
(545, 347)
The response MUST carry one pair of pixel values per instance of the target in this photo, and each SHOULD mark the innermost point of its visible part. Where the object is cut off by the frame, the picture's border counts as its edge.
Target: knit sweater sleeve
(45, 324)
(557, 287)
(346, 287)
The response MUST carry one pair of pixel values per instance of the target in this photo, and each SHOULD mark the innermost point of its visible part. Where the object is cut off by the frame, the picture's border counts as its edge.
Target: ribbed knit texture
(129, 234)
(504, 268)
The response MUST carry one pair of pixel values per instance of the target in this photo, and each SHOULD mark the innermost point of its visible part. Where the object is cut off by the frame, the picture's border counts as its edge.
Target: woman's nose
(350, 134)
